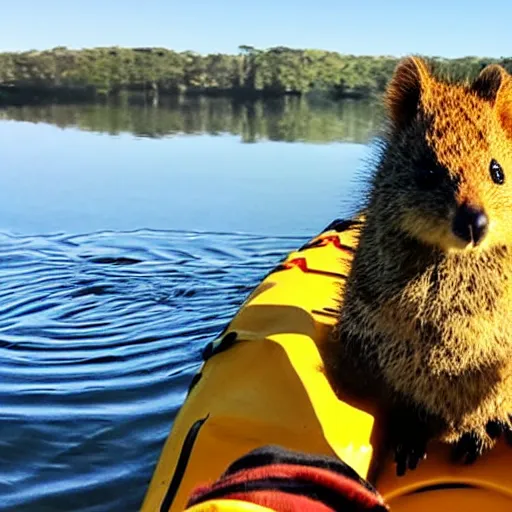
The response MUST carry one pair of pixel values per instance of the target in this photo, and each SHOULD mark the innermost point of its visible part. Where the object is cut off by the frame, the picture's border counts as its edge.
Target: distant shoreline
(33, 95)
(65, 76)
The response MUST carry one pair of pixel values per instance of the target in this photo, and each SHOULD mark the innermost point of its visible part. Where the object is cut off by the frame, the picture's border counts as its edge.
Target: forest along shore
(67, 75)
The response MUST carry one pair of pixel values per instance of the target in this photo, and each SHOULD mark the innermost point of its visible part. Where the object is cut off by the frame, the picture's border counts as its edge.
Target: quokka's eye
(430, 177)
(497, 174)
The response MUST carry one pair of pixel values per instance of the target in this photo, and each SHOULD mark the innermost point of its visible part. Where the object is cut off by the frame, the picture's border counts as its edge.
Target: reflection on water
(72, 180)
(286, 119)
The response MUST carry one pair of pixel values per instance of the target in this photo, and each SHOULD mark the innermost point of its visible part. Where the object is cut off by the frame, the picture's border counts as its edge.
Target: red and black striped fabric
(289, 481)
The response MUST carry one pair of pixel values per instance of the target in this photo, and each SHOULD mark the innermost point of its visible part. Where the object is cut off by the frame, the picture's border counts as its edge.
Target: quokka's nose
(470, 224)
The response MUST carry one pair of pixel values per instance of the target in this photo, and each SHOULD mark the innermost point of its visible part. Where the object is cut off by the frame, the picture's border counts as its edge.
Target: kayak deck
(263, 383)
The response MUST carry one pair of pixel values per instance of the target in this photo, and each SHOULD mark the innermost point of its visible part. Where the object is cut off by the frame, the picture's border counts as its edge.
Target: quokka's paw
(497, 428)
(409, 433)
(409, 451)
(469, 447)
(474, 443)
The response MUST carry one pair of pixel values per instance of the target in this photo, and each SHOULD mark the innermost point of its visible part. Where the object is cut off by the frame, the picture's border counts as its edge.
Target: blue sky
(387, 27)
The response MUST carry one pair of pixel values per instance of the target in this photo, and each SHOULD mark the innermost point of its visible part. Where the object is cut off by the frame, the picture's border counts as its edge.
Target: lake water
(129, 236)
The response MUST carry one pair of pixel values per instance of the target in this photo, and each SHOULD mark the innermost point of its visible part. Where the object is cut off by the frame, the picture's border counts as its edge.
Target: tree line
(277, 71)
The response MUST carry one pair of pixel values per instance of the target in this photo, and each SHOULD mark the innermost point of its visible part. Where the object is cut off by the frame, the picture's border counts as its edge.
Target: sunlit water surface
(129, 237)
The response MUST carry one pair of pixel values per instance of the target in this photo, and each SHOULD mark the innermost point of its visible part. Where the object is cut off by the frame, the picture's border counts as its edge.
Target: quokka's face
(446, 176)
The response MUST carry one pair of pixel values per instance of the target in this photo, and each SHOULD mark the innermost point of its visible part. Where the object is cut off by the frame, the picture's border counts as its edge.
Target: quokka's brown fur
(425, 320)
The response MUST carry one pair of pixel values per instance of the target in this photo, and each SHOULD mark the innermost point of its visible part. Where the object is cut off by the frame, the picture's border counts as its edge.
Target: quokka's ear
(410, 81)
(494, 84)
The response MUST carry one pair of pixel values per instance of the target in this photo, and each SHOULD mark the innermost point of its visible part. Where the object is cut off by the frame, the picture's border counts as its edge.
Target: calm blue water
(120, 257)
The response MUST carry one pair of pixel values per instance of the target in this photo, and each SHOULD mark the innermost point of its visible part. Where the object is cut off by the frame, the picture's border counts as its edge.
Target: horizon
(237, 51)
(394, 29)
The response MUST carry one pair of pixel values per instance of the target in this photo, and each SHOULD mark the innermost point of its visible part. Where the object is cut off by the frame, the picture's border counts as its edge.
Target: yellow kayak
(262, 383)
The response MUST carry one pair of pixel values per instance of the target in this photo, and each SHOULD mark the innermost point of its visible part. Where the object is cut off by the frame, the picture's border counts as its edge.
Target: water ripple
(100, 335)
